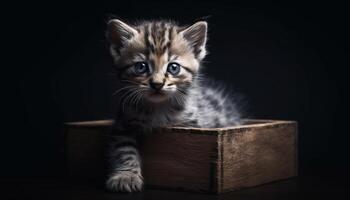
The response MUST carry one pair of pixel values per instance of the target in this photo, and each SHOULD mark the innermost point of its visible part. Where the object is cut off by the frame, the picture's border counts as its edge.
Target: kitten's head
(157, 58)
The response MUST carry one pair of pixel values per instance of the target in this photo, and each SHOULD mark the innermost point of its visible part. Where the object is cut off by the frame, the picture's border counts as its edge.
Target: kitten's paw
(125, 181)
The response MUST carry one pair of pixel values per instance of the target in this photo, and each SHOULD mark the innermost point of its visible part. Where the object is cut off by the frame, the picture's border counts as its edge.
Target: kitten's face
(157, 59)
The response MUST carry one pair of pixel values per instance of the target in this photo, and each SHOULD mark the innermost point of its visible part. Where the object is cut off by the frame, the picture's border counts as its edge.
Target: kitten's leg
(125, 160)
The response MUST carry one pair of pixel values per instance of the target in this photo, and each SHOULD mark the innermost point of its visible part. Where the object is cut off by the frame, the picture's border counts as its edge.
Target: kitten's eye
(141, 68)
(174, 68)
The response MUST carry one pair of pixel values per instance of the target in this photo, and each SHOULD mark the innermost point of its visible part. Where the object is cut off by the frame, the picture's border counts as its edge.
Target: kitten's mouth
(157, 96)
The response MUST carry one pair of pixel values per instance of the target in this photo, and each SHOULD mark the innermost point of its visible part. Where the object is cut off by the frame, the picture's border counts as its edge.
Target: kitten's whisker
(183, 97)
(124, 97)
(129, 81)
(128, 97)
(121, 89)
(181, 91)
(134, 96)
(138, 98)
(177, 100)
(140, 94)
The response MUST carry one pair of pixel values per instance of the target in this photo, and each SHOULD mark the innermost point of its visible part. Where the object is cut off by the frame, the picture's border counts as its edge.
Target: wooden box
(211, 160)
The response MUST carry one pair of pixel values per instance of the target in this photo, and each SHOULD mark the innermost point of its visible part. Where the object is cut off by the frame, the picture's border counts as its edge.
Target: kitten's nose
(156, 85)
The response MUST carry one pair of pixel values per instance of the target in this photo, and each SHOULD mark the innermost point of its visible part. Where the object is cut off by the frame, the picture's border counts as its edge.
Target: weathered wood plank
(207, 160)
(254, 156)
(179, 160)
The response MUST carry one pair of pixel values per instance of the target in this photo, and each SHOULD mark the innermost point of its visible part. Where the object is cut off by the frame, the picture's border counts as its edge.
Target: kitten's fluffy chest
(160, 116)
(168, 114)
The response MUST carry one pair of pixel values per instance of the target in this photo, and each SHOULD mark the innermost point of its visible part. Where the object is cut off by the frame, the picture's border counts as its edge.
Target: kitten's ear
(119, 32)
(196, 35)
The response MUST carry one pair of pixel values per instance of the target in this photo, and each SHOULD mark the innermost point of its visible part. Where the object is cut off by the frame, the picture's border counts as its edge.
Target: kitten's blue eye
(174, 68)
(141, 68)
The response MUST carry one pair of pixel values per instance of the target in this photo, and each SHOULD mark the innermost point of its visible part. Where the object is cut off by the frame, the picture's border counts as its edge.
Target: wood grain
(187, 166)
(253, 156)
(212, 160)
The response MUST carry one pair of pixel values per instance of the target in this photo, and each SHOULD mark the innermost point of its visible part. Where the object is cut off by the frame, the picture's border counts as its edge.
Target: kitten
(157, 64)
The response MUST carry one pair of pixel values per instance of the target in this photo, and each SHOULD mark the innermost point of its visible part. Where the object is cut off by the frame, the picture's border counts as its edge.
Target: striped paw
(125, 181)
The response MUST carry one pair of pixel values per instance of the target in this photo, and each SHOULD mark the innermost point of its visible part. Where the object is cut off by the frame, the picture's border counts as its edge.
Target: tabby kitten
(157, 64)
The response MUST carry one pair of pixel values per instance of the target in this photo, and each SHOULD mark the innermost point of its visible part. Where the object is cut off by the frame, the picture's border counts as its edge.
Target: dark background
(289, 60)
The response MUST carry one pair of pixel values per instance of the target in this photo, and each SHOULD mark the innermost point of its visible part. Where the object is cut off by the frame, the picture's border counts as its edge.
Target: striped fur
(125, 160)
(158, 96)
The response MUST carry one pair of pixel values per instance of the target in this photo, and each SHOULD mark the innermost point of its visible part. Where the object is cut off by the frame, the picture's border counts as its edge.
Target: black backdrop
(289, 60)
